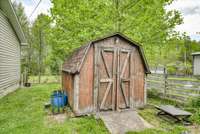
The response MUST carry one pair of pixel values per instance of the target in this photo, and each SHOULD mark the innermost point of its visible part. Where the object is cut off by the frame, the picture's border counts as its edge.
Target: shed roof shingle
(72, 64)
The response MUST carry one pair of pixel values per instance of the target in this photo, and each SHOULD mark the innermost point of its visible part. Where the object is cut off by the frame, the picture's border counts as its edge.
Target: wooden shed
(196, 63)
(106, 74)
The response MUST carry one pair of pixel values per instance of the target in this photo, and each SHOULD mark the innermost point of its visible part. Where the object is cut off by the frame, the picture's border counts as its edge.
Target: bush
(195, 103)
(171, 70)
(194, 106)
(196, 116)
(179, 69)
(152, 93)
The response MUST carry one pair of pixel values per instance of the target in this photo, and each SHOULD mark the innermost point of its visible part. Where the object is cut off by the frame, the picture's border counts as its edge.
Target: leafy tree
(23, 20)
(37, 56)
(145, 21)
(40, 30)
(73, 23)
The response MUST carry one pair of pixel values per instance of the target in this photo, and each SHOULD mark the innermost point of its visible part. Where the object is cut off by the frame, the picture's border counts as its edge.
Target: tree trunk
(40, 56)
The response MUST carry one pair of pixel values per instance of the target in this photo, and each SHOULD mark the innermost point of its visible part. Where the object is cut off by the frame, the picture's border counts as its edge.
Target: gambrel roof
(74, 63)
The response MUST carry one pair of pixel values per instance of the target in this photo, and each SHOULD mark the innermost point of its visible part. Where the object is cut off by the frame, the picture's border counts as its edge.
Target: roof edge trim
(8, 9)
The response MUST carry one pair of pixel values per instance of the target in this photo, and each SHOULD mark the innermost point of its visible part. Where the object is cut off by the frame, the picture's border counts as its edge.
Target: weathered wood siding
(111, 76)
(137, 70)
(180, 89)
(9, 57)
(68, 86)
(106, 78)
(196, 65)
(86, 83)
(138, 79)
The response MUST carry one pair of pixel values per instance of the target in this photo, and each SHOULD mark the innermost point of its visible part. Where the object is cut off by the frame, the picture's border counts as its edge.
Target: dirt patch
(59, 118)
(194, 129)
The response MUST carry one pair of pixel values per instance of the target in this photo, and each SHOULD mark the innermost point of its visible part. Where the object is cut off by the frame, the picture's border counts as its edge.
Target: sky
(29, 6)
(190, 10)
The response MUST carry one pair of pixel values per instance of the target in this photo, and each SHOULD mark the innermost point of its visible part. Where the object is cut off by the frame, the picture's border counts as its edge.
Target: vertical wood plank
(96, 54)
(118, 79)
(124, 93)
(145, 89)
(105, 64)
(76, 92)
(131, 80)
(114, 81)
(134, 78)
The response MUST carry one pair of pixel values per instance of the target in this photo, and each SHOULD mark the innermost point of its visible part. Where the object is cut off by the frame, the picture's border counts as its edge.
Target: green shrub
(196, 116)
(179, 68)
(195, 103)
(171, 70)
(153, 93)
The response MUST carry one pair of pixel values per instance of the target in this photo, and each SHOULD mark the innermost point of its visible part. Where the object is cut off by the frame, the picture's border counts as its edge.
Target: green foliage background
(74, 23)
(145, 21)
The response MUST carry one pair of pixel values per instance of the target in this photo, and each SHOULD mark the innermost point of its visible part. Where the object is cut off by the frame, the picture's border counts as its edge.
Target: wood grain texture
(105, 77)
(112, 77)
(128, 74)
(86, 81)
(68, 86)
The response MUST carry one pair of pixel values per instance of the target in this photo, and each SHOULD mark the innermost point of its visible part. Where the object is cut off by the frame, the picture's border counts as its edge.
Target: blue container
(59, 99)
(65, 98)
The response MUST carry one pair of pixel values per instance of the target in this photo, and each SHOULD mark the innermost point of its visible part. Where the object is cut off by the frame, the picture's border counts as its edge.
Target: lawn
(193, 79)
(45, 79)
(22, 112)
(164, 125)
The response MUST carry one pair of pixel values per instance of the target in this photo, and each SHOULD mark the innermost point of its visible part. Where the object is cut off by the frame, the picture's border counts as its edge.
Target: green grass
(166, 125)
(184, 79)
(192, 105)
(45, 79)
(22, 112)
(162, 125)
(176, 130)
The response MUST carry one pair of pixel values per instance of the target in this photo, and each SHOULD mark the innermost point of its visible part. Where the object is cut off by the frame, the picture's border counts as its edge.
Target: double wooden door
(113, 67)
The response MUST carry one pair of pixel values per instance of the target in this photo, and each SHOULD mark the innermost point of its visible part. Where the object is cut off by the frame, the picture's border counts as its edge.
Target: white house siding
(196, 65)
(9, 57)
